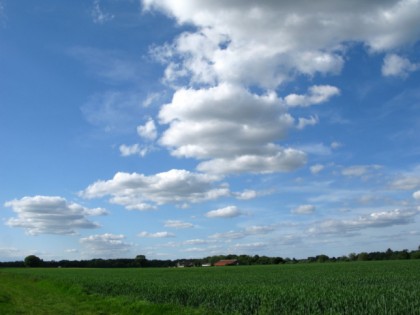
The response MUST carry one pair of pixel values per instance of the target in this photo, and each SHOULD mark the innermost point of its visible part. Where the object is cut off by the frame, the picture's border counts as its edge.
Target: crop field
(386, 287)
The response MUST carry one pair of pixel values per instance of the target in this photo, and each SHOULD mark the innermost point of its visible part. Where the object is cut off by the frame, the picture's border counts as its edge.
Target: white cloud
(315, 148)
(372, 220)
(226, 212)
(241, 44)
(408, 182)
(258, 229)
(195, 249)
(289, 239)
(395, 65)
(135, 149)
(416, 195)
(304, 209)
(98, 15)
(140, 192)
(248, 231)
(255, 246)
(317, 94)
(150, 99)
(228, 235)
(127, 150)
(246, 194)
(315, 169)
(196, 242)
(199, 119)
(359, 170)
(95, 211)
(220, 52)
(156, 235)
(238, 45)
(177, 224)
(106, 245)
(285, 160)
(148, 130)
(51, 215)
(336, 145)
(303, 122)
(264, 43)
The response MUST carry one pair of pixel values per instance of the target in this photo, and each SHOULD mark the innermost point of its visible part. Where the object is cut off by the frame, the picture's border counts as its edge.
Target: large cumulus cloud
(235, 130)
(264, 42)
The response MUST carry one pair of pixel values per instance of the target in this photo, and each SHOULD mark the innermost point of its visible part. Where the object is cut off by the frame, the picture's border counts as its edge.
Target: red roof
(227, 262)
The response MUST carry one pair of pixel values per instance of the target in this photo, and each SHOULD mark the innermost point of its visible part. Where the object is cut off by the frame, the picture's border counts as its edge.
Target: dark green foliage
(363, 256)
(322, 258)
(32, 261)
(415, 254)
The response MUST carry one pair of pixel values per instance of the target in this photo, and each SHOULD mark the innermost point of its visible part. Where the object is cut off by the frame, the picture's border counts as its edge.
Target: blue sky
(184, 128)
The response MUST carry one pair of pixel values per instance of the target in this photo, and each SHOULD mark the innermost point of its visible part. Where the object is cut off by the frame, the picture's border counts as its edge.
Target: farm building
(183, 264)
(227, 262)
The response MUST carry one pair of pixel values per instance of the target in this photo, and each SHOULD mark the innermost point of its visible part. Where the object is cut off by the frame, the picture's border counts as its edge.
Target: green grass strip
(20, 294)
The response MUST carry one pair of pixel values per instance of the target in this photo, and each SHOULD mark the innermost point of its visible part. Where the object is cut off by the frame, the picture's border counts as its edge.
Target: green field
(386, 287)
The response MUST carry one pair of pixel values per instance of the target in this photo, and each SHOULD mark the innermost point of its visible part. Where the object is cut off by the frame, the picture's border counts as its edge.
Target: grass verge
(21, 294)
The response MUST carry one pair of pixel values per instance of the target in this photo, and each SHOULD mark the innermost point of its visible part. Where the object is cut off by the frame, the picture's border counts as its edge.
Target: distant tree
(244, 260)
(415, 254)
(343, 258)
(264, 260)
(352, 256)
(255, 259)
(322, 258)
(141, 260)
(389, 253)
(363, 256)
(33, 261)
(403, 254)
(278, 260)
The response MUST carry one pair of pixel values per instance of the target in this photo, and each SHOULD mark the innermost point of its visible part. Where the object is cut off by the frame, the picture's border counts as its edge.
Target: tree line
(140, 261)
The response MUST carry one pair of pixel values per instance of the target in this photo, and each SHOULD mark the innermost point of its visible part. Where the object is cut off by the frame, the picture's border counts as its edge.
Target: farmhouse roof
(226, 262)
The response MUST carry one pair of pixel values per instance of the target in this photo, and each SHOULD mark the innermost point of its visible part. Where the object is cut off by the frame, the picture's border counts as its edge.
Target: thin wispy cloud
(156, 234)
(178, 224)
(106, 245)
(98, 15)
(3, 16)
(304, 209)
